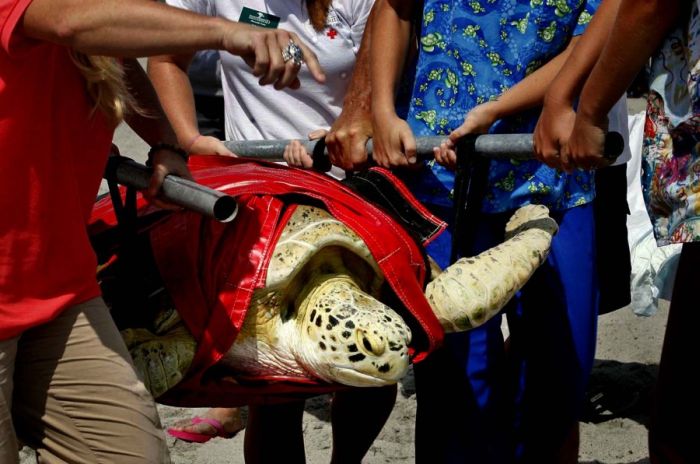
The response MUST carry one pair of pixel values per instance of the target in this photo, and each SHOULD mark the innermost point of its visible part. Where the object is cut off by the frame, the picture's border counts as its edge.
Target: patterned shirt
(472, 51)
(671, 151)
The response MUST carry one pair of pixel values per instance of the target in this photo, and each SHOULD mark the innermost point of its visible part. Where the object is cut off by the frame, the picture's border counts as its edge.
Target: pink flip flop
(200, 437)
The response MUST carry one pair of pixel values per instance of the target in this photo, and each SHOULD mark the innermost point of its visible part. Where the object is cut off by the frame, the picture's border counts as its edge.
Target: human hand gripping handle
(208, 145)
(347, 140)
(587, 145)
(496, 146)
(567, 140)
(393, 144)
(478, 121)
(552, 134)
(295, 153)
(173, 189)
(263, 50)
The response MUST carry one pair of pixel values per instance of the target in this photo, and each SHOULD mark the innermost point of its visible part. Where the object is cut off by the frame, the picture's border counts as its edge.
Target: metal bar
(494, 146)
(176, 190)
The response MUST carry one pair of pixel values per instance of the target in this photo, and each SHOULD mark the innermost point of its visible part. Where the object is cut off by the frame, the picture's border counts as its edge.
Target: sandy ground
(614, 430)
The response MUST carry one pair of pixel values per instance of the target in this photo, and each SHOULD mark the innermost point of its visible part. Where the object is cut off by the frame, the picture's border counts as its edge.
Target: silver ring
(293, 52)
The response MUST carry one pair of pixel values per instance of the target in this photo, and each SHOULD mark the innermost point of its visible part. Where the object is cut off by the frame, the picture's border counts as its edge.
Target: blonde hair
(318, 13)
(105, 84)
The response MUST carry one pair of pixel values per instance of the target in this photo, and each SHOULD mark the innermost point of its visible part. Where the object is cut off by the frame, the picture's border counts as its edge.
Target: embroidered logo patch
(259, 18)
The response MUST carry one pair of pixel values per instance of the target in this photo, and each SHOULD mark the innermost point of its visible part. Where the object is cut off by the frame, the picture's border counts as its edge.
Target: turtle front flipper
(473, 290)
(161, 361)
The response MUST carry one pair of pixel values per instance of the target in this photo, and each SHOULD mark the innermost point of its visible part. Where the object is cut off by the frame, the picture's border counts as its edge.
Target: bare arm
(150, 122)
(132, 28)
(557, 119)
(530, 92)
(394, 144)
(169, 76)
(527, 94)
(639, 29)
(349, 134)
(123, 27)
(571, 78)
(152, 126)
(170, 79)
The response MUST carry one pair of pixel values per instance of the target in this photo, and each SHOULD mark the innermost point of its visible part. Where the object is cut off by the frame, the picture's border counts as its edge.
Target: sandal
(195, 437)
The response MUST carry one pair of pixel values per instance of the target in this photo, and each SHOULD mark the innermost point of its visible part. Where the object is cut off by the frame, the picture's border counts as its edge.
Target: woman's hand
(165, 162)
(393, 143)
(347, 139)
(478, 121)
(587, 143)
(552, 134)
(208, 145)
(262, 50)
(295, 154)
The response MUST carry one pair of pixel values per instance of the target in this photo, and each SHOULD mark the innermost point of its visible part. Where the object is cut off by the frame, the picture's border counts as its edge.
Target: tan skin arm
(169, 76)
(557, 118)
(394, 143)
(527, 94)
(152, 126)
(347, 138)
(349, 133)
(639, 28)
(132, 28)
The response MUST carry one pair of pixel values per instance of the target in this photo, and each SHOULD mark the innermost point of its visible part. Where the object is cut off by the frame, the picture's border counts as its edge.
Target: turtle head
(348, 336)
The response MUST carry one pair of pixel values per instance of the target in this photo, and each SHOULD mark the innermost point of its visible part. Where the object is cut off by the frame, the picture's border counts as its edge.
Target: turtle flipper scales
(473, 290)
(161, 361)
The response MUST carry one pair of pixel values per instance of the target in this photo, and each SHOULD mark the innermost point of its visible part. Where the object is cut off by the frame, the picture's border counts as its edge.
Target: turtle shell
(309, 230)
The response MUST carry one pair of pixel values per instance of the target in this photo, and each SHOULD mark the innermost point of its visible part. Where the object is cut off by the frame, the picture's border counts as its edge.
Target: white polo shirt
(617, 122)
(254, 112)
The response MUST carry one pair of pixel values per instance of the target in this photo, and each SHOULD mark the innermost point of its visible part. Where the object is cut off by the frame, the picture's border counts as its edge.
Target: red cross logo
(332, 33)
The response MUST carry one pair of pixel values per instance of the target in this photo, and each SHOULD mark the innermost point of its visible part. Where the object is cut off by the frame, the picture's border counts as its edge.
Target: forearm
(128, 28)
(570, 80)
(530, 92)
(390, 37)
(639, 29)
(169, 76)
(149, 121)
(359, 92)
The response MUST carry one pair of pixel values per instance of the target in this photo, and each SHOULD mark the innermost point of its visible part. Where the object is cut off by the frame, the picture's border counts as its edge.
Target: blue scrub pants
(515, 401)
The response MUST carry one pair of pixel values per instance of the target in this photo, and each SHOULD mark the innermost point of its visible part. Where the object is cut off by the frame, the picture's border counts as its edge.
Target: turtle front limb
(161, 361)
(473, 290)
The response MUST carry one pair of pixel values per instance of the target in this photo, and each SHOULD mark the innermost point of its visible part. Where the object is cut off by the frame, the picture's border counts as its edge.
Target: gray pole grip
(513, 146)
(176, 190)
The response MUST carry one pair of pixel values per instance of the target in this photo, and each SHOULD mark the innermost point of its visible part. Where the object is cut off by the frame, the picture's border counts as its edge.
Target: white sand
(628, 353)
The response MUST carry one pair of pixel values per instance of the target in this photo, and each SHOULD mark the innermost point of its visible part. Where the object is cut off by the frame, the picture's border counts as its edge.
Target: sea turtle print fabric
(474, 50)
(670, 160)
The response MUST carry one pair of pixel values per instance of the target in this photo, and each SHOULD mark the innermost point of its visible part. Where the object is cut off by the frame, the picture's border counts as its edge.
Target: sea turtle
(320, 316)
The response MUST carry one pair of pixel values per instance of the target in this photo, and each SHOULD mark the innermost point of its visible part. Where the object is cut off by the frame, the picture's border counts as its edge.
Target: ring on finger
(293, 52)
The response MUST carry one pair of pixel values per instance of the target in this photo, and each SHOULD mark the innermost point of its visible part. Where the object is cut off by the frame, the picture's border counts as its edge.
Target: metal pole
(223, 207)
(494, 146)
(176, 190)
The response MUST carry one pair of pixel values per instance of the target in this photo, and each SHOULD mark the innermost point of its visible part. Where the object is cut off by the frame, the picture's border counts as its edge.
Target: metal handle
(494, 146)
(176, 190)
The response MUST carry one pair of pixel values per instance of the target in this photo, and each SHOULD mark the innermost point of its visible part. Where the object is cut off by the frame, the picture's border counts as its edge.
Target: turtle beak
(347, 375)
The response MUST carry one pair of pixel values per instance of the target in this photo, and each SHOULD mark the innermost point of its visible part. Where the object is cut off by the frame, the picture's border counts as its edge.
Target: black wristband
(166, 146)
